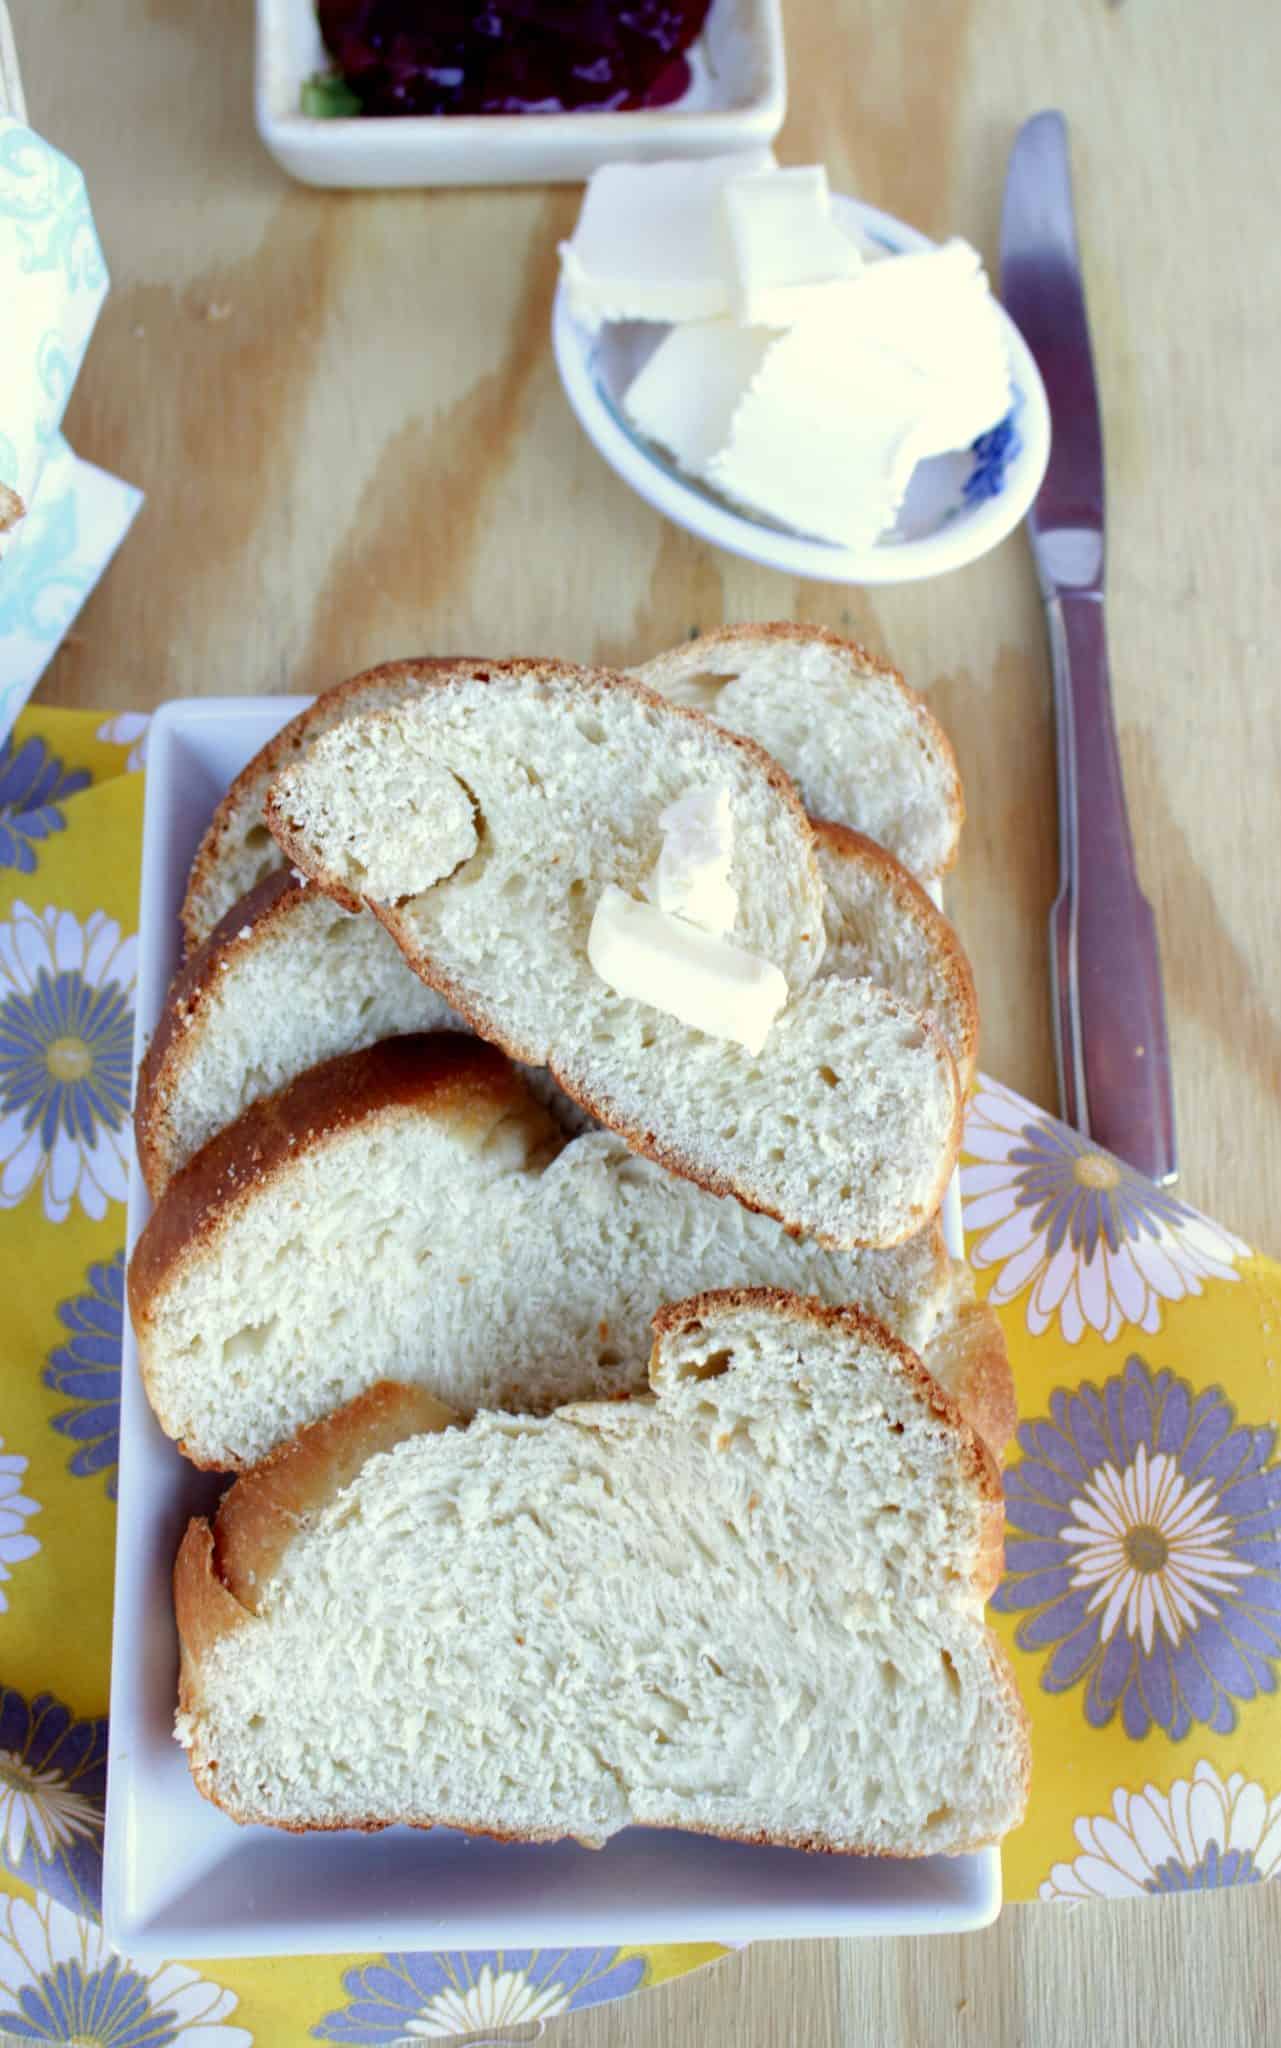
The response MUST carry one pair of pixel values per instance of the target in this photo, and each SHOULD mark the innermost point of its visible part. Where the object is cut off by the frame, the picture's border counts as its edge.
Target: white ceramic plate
(181, 1879)
(736, 100)
(957, 508)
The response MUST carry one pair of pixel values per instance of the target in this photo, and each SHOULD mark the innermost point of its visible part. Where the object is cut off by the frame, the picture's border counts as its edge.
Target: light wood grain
(344, 412)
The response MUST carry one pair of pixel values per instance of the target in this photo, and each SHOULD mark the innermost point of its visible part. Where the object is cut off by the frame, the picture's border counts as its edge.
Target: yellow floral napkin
(1142, 1595)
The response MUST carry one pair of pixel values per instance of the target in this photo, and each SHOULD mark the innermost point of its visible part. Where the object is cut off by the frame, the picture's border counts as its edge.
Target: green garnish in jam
(326, 97)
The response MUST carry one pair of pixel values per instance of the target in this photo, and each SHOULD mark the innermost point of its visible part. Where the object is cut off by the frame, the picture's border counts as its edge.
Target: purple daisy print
(431, 1996)
(53, 1781)
(1082, 1239)
(86, 1369)
(1144, 1552)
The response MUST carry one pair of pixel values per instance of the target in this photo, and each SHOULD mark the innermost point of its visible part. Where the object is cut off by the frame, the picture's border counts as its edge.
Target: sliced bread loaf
(288, 979)
(483, 820)
(861, 746)
(751, 1606)
(410, 1211)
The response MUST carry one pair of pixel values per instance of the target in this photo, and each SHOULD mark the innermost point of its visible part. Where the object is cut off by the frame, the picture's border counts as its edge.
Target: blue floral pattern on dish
(992, 452)
(1144, 1550)
(87, 1369)
(430, 1996)
(53, 1783)
(34, 785)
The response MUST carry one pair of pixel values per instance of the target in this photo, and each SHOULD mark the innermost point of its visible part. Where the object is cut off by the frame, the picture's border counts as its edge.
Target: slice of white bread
(410, 1211)
(861, 746)
(288, 979)
(482, 819)
(751, 1606)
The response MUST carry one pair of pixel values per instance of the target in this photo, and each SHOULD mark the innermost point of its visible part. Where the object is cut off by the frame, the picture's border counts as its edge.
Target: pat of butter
(692, 875)
(686, 396)
(651, 241)
(933, 308)
(785, 244)
(825, 440)
(707, 982)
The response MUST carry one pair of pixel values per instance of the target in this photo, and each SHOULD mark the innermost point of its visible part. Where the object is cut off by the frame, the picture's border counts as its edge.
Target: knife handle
(1105, 968)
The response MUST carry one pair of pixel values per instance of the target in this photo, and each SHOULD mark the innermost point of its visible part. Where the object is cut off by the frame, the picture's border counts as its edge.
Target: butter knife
(1105, 969)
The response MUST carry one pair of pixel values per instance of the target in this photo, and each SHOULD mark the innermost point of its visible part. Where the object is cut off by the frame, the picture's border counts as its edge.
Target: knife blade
(1111, 1043)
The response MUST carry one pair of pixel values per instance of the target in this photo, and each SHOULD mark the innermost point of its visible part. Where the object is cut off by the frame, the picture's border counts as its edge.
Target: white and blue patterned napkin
(67, 517)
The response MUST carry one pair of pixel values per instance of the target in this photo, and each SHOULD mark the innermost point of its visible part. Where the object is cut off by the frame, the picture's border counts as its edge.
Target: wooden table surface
(345, 415)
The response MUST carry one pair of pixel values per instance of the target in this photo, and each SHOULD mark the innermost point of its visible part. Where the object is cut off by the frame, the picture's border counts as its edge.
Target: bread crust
(869, 664)
(951, 963)
(461, 1078)
(163, 1066)
(223, 1568)
(971, 1342)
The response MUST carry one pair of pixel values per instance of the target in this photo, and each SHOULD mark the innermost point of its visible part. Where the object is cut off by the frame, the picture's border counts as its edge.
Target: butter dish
(957, 506)
(736, 100)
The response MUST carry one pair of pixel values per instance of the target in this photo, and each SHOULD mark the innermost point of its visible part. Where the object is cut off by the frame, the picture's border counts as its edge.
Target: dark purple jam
(511, 56)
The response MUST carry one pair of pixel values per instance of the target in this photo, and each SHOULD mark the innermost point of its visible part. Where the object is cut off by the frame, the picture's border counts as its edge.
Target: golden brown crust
(968, 1351)
(870, 664)
(458, 1076)
(977, 1459)
(261, 1514)
(203, 1608)
(950, 963)
(160, 1074)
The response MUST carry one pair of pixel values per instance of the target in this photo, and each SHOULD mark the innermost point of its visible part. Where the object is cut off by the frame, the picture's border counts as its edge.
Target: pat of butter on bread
(704, 980)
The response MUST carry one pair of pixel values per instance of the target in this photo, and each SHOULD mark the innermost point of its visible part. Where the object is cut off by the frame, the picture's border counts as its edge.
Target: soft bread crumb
(603, 1636)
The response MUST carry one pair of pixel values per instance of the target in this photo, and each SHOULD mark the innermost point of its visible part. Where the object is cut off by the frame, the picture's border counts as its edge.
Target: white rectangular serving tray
(736, 100)
(181, 1879)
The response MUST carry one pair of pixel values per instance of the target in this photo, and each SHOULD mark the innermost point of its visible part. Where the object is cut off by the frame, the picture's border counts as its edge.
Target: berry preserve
(511, 56)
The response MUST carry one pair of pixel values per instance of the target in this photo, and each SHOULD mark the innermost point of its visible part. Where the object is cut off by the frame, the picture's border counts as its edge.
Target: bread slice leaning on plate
(288, 979)
(861, 747)
(484, 819)
(751, 1606)
(410, 1211)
